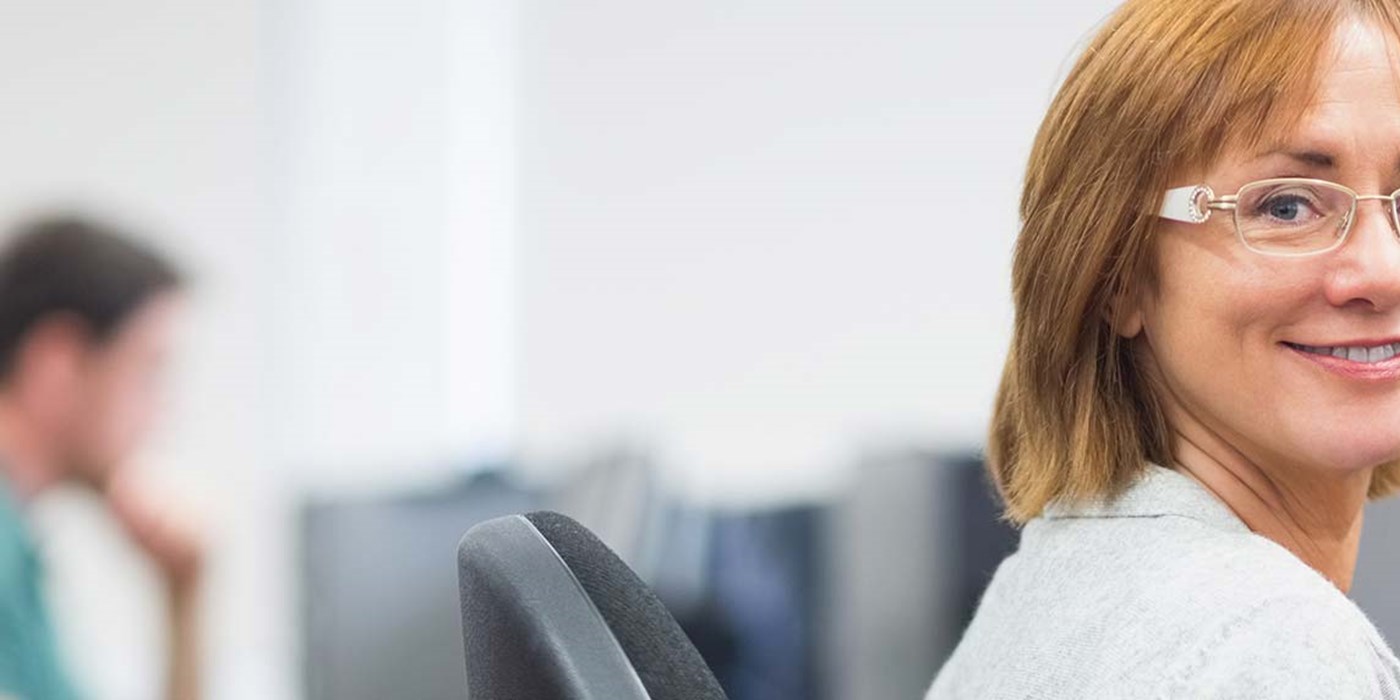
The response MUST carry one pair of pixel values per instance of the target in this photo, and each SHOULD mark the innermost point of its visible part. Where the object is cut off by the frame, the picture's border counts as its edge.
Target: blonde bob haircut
(1163, 87)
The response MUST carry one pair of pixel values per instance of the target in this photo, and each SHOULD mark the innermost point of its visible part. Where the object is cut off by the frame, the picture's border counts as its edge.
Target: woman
(1203, 387)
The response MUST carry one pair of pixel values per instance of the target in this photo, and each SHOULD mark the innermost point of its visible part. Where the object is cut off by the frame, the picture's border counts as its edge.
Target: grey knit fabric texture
(1163, 593)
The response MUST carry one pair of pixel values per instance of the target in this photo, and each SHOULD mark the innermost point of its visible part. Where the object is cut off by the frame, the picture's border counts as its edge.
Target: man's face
(119, 390)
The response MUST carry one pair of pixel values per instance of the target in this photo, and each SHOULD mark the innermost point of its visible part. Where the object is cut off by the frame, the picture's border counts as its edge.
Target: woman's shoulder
(1272, 626)
(1297, 645)
(1236, 568)
(1167, 531)
(1108, 610)
(1181, 566)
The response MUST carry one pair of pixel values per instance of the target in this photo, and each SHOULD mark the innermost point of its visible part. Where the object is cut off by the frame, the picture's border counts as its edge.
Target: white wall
(395, 267)
(754, 234)
(320, 167)
(761, 233)
(150, 110)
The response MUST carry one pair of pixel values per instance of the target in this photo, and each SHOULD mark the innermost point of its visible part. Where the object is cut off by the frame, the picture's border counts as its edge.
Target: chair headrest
(549, 611)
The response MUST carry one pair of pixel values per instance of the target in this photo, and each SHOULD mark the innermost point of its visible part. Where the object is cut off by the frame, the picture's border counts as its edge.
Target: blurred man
(85, 322)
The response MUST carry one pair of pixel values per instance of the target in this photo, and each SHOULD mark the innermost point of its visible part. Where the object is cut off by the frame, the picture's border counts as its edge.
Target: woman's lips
(1381, 360)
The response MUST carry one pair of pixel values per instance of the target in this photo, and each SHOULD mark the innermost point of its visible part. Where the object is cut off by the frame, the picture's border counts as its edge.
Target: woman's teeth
(1369, 355)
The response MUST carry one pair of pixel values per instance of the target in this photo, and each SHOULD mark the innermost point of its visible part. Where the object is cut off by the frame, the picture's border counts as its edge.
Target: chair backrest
(550, 613)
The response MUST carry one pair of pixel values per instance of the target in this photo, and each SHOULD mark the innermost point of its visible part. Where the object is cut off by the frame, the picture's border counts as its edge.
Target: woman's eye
(1287, 208)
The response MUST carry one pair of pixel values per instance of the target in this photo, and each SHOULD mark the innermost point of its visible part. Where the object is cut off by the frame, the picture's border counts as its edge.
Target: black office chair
(550, 613)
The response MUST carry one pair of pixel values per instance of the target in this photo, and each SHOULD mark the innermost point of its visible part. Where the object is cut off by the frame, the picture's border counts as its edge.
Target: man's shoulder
(18, 559)
(29, 663)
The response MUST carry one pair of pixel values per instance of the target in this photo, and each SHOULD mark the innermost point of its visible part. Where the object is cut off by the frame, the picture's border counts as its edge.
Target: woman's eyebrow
(1306, 156)
(1314, 158)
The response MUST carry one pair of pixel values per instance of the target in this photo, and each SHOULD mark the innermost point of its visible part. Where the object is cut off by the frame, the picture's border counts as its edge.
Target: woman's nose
(1367, 273)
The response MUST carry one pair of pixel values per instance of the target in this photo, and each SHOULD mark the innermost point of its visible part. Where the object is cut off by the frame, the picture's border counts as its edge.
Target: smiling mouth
(1370, 355)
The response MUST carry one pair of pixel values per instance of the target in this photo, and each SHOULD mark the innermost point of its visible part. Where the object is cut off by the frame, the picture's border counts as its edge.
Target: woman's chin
(1353, 456)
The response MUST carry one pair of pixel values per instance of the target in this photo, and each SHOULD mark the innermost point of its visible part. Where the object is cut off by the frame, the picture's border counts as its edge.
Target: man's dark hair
(76, 266)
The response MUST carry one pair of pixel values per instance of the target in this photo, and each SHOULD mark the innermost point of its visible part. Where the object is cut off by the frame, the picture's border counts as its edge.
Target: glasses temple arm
(1192, 204)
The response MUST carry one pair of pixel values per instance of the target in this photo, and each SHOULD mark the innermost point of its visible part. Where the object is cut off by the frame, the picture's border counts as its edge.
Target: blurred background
(728, 281)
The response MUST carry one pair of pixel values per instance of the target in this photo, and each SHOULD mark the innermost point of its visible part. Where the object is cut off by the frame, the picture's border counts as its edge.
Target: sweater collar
(1159, 491)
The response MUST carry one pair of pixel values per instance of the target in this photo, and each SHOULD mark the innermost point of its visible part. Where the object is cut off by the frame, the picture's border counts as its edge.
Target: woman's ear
(1125, 315)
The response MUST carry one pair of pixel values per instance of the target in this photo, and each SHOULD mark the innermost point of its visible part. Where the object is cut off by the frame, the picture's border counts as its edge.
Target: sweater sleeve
(1283, 648)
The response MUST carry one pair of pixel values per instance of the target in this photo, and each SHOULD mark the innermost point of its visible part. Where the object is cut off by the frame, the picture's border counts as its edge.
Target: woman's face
(1223, 326)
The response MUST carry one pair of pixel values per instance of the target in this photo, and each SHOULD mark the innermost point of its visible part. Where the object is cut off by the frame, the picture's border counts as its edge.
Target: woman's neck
(1315, 515)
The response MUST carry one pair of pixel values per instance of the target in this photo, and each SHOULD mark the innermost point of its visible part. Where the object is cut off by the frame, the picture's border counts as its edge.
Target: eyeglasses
(1288, 217)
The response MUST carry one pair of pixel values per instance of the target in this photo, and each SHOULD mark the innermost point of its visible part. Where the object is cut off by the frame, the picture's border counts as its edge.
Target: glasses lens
(1293, 217)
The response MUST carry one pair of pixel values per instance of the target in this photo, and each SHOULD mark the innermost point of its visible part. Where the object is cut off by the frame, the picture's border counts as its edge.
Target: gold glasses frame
(1194, 204)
